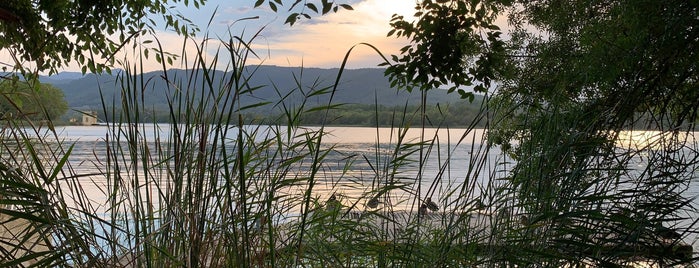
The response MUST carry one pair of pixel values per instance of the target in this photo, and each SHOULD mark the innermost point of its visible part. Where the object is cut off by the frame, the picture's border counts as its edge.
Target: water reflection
(430, 162)
(639, 140)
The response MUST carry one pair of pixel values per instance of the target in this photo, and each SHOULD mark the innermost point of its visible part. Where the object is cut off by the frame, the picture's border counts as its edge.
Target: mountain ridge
(356, 86)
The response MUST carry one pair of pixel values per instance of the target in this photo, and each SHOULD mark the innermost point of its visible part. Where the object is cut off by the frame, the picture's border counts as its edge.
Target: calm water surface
(451, 160)
(446, 164)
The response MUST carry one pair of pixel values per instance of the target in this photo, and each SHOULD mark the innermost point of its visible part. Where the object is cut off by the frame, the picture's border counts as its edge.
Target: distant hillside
(360, 86)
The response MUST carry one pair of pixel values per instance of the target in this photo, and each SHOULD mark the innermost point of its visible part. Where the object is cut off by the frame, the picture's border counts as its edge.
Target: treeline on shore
(453, 115)
(459, 114)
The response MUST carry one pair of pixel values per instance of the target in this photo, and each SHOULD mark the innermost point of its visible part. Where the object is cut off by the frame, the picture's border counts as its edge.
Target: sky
(322, 41)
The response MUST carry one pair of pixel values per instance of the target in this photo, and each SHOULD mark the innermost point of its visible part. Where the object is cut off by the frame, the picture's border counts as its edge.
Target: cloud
(237, 10)
(324, 41)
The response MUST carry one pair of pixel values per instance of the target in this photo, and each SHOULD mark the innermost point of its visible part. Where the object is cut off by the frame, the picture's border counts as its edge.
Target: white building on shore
(89, 118)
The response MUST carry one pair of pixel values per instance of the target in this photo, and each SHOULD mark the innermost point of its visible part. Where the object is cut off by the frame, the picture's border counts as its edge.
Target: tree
(22, 100)
(453, 42)
(571, 77)
(52, 33)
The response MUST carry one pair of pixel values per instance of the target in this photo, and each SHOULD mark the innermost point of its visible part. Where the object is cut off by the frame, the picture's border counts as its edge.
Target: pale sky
(321, 42)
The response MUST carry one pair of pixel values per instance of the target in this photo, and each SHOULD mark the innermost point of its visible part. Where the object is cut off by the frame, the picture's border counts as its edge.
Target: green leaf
(326, 7)
(259, 3)
(291, 19)
(61, 163)
(466, 95)
(273, 6)
(313, 7)
(346, 6)
(24, 215)
(254, 105)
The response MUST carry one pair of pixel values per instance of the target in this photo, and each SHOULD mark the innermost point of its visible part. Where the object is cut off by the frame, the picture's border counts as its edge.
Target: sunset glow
(322, 41)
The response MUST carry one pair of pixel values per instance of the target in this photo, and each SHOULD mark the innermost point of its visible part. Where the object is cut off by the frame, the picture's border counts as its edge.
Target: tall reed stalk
(214, 188)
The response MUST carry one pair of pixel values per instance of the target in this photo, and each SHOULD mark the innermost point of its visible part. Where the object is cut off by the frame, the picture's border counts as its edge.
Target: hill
(358, 86)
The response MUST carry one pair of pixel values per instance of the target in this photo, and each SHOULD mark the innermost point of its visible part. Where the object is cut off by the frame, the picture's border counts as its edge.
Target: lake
(447, 163)
(451, 161)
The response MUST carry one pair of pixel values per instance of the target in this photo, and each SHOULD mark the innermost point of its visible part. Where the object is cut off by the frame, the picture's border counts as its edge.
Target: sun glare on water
(649, 139)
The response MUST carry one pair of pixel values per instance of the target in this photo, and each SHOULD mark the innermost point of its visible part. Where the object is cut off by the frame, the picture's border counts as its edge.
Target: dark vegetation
(460, 114)
(38, 102)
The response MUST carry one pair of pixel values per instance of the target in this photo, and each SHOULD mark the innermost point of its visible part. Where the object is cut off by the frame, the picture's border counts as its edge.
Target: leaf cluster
(588, 71)
(302, 8)
(453, 44)
(52, 33)
(612, 65)
(572, 76)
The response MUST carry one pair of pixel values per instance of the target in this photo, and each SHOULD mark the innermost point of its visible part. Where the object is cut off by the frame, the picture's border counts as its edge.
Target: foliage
(602, 68)
(214, 188)
(460, 114)
(52, 33)
(453, 43)
(202, 192)
(573, 76)
(453, 115)
(302, 8)
(23, 100)
(35, 229)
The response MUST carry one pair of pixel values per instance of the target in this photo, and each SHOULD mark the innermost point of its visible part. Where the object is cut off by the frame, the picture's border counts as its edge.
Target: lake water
(453, 160)
(447, 163)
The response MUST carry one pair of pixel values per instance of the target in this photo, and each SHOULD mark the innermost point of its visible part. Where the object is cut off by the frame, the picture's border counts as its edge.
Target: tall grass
(217, 190)
(214, 188)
